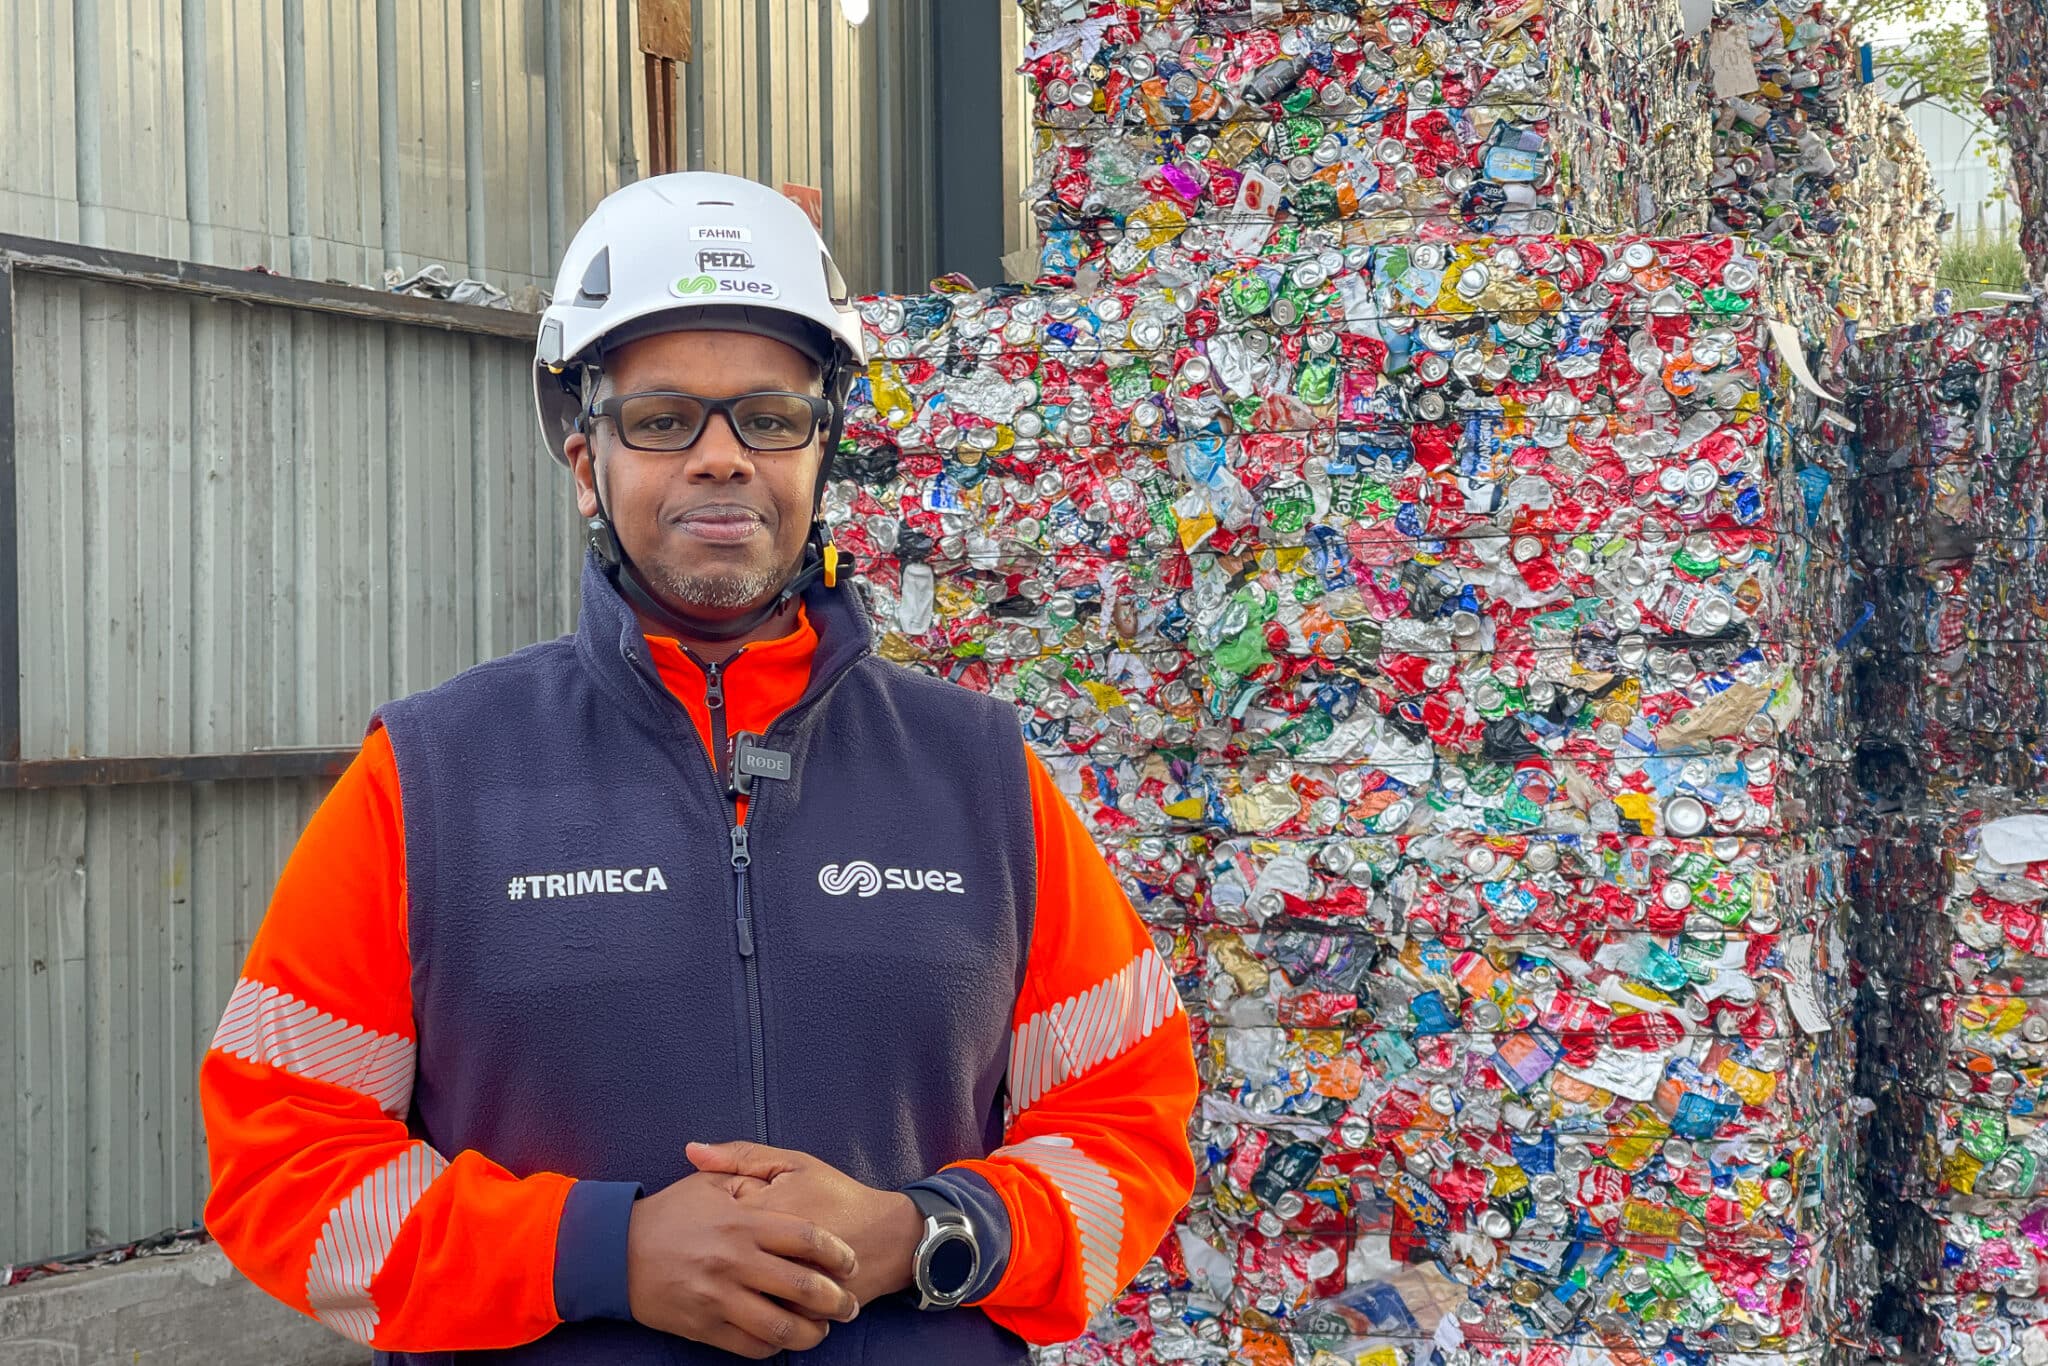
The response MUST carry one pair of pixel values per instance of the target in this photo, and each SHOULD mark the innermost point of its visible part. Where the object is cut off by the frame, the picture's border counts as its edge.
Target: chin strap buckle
(831, 565)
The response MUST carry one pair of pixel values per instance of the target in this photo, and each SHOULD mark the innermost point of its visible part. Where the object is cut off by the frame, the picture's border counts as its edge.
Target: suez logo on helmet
(710, 286)
(862, 878)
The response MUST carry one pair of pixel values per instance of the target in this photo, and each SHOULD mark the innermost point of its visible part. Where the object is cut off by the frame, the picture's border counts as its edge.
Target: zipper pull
(740, 860)
(714, 686)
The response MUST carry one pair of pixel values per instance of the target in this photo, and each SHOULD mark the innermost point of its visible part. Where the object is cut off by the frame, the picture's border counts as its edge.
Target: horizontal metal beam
(139, 770)
(42, 256)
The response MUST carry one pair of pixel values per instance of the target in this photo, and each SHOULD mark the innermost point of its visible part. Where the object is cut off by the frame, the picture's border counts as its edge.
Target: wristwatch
(948, 1257)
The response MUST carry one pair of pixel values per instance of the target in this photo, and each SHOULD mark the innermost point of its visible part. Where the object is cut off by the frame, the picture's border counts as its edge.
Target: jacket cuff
(986, 1215)
(590, 1251)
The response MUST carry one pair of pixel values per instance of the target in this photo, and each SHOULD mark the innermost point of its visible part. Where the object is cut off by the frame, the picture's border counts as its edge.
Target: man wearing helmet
(698, 985)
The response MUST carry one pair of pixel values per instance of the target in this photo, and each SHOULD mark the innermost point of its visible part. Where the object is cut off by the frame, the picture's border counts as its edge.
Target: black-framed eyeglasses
(664, 420)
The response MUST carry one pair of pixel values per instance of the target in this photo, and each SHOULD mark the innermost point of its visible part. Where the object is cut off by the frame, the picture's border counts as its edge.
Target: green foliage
(1927, 51)
(1972, 265)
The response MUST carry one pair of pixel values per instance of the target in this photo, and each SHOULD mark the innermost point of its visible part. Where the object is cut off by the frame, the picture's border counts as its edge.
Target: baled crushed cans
(1954, 472)
(1953, 900)
(1438, 635)
(1440, 617)
(1951, 890)
(2018, 100)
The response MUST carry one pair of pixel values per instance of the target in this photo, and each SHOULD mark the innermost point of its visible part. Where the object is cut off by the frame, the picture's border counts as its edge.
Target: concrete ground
(187, 1309)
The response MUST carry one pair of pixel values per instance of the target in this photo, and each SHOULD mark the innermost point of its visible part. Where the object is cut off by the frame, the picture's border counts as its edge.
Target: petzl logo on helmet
(862, 878)
(699, 286)
(859, 877)
(724, 258)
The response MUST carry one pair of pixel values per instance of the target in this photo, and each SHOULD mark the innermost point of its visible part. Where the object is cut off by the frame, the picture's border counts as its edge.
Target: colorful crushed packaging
(1783, 153)
(1440, 638)
(1492, 115)
(1811, 161)
(1957, 990)
(1953, 457)
(1952, 888)
(2018, 100)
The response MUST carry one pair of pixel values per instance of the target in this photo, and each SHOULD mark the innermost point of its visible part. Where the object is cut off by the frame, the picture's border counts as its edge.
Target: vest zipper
(743, 913)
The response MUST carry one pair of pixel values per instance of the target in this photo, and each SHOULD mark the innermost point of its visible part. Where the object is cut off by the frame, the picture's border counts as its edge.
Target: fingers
(785, 1235)
(744, 1159)
(783, 1330)
(727, 1338)
(801, 1286)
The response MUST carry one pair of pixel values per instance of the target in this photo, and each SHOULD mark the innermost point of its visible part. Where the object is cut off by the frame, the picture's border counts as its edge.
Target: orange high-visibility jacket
(326, 1197)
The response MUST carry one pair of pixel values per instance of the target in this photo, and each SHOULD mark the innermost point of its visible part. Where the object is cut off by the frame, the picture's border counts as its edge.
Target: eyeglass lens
(673, 422)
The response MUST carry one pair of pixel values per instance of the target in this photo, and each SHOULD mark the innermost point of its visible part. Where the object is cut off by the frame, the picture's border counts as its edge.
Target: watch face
(950, 1265)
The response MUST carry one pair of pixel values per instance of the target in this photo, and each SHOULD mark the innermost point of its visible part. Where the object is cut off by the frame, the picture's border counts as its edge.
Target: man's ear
(583, 467)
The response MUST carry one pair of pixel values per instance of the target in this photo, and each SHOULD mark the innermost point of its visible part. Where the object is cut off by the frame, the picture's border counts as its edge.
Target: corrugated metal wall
(242, 526)
(335, 138)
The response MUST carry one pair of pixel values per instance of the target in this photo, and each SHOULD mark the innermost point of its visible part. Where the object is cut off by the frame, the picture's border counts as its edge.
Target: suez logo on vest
(862, 878)
(590, 882)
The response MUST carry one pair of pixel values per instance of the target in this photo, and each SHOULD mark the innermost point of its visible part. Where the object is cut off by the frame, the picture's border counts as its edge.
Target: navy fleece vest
(580, 1013)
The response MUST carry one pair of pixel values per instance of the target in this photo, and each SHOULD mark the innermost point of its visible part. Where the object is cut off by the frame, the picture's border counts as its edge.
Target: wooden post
(664, 41)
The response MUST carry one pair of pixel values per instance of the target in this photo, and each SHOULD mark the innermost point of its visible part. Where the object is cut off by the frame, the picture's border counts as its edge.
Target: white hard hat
(691, 250)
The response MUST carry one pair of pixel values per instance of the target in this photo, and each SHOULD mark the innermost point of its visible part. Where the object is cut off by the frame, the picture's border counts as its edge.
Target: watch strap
(932, 1205)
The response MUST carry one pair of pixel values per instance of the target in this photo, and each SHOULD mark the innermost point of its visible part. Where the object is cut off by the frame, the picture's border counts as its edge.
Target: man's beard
(723, 592)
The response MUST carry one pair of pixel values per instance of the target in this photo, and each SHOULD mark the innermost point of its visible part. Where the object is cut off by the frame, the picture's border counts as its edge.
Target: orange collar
(762, 681)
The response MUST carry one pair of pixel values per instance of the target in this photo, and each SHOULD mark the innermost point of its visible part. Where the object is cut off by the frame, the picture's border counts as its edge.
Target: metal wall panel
(336, 138)
(252, 525)
(326, 138)
(218, 502)
(130, 911)
(38, 185)
(243, 526)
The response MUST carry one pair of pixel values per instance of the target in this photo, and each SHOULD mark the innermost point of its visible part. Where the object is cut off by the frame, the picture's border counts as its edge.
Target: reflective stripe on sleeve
(358, 1236)
(1089, 1028)
(1092, 1197)
(264, 1024)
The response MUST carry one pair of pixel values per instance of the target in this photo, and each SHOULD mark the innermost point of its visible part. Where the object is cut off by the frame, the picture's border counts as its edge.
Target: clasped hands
(762, 1250)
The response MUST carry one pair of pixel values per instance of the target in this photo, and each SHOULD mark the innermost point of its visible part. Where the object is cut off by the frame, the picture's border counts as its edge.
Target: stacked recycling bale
(1953, 938)
(1812, 162)
(1948, 517)
(1954, 454)
(2018, 99)
(1507, 115)
(1436, 628)
(1392, 728)
(1889, 260)
(1782, 146)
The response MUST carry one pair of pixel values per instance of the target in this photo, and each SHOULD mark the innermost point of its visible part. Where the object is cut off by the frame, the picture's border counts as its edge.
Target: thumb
(741, 1159)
